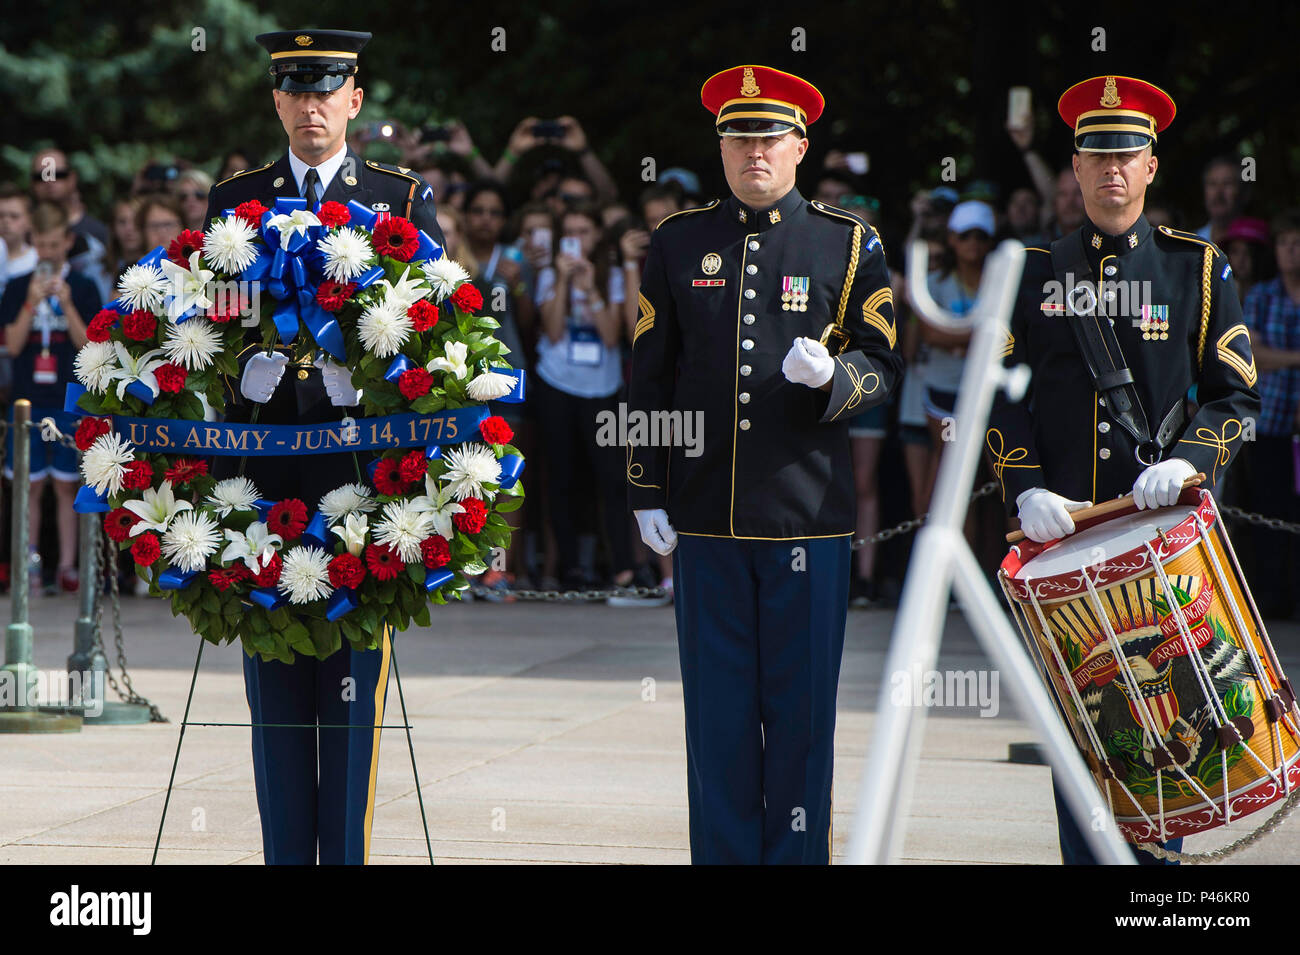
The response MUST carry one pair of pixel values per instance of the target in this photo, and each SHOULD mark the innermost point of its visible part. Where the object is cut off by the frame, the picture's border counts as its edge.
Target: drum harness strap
(1095, 336)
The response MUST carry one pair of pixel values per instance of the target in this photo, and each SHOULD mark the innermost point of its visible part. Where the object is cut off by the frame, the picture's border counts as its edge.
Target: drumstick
(1107, 507)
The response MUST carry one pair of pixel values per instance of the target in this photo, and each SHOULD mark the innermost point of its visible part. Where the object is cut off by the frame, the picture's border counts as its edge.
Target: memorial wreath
(363, 289)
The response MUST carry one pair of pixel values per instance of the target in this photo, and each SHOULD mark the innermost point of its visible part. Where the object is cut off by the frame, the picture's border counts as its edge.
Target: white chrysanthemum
(142, 287)
(347, 253)
(94, 366)
(190, 540)
(232, 494)
(403, 527)
(229, 245)
(345, 500)
(384, 328)
(490, 385)
(103, 465)
(444, 276)
(469, 468)
(305, 575)
(193, 343)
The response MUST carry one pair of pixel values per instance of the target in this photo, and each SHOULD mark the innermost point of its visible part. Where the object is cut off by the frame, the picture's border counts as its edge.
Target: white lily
(439, 504)
(454, 360)
(130, 368)
(186, 288)
(408, 290)
(353, 533)
(253, 547)
(156, 510)
(300, 220)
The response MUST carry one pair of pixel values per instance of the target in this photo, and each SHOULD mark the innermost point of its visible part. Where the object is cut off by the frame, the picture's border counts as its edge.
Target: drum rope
(1218, 855)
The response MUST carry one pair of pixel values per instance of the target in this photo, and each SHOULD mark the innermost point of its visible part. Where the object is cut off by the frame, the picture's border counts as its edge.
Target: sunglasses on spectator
(38, 175)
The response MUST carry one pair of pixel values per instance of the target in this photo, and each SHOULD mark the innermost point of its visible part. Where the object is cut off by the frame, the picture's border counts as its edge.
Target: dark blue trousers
(1074, 846)
(306, 800)
(760, 631)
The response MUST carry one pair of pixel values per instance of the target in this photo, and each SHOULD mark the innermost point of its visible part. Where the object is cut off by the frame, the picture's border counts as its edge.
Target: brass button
(1111, 270)
(753, 246)
(1102, 402)
(745, 370)
(747, 344)
(744, 424)
(1104, 454)
(751, 268)
(302, 374)
(744, 397)
(748, 319)
(1104, 427)
(750, 293)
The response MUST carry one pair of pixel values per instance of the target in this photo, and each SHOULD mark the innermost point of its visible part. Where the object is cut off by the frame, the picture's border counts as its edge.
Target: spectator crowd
(557, 252)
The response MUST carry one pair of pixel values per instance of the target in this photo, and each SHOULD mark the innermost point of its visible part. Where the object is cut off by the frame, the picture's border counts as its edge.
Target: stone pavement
(544, 734)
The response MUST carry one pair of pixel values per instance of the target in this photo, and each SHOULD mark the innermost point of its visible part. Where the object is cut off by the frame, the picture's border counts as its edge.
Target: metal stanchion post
(87, 661)
(19, 711)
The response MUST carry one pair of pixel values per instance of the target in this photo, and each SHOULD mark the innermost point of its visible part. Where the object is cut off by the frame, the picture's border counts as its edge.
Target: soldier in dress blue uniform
(308, 805)
(1098, 423)
(771, 318)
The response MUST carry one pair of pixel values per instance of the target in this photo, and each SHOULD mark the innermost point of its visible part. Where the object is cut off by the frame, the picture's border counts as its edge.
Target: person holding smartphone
(44, 315)
(579, 374)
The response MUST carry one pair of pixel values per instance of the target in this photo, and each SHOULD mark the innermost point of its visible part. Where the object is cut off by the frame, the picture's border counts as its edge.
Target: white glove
(808, 363)
(1045, 516)
(657, 533)
(262, 373)
(1160, 484)
(338, 383)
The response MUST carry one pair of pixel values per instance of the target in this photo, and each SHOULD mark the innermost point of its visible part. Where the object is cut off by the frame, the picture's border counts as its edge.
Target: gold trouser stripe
(381, 686)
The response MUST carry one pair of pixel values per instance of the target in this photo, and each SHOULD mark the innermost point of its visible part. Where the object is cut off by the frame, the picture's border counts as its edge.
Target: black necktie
(311, 188)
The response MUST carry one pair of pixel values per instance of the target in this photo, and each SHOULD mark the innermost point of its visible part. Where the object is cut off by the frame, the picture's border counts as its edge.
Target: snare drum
(1143, 628)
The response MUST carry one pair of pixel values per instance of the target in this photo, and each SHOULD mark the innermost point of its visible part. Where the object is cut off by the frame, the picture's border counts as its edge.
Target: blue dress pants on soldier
(760, 631)
(305, 801)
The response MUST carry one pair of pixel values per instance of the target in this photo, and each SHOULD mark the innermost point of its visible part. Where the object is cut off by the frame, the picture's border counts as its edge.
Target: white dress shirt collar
(326, 170)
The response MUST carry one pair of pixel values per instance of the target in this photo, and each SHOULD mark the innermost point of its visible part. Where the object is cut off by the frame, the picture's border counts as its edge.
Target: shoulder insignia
(1034, 248)
(873, 316)
(244, 172)
(681, 212)
(1189, 237)
(392, 170)
(1246, 369)
(646, 321)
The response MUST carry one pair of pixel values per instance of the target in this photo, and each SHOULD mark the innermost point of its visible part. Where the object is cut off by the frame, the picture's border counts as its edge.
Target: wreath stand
(404, 725)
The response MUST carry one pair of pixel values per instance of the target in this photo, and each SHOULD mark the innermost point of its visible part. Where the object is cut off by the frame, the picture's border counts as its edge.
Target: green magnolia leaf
(474, 568)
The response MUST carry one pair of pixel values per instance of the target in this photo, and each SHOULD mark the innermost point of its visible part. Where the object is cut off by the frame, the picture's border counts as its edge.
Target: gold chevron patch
(1008, 346)
(1234, 361)
(871, 313)
(647, 319)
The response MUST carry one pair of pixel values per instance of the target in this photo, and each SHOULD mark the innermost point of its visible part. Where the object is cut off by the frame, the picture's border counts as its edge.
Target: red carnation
(474, 516)
(383, 561)
(225, 578)
(333, 214)
(140, 325)
(331, 295)
(185, 470)
(396, 236)
(138, 477)
(387, 477)
(423, 315)
(288, 519)
(414, 383)
(185, 245)
(229, 304)
(467, 298)
(413, 466)
(269, 575)
(347, 571)
(251, 212)
(118, 523)
(495, 430)
(89, 430)
(436, 550)
(146, 549)
(171, 377)
(101, 325)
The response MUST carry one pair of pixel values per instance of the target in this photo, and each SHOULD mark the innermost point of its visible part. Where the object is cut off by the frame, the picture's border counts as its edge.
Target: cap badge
(1110, 95)
(302, 39)
(1096, 241)
(774, 216)
(1132, 240)
(748, 87)
(711, 263)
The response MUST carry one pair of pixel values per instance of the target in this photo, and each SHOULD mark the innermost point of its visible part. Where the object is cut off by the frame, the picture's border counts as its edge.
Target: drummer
(1122, 323)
